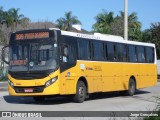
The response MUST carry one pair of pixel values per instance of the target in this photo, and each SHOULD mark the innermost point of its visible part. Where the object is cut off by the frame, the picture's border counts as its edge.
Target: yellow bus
(49, 62)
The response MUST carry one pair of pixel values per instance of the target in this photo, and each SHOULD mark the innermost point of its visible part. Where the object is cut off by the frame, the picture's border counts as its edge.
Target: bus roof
(105, 37)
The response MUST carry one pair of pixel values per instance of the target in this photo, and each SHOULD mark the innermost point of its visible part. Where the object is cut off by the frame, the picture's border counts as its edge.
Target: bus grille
(36, 89)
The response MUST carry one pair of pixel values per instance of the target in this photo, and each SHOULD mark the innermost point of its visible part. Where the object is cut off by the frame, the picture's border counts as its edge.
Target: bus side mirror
(4, 54)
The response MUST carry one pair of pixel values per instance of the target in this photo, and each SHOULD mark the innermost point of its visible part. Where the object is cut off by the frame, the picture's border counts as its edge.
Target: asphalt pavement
(3, 86)
(144, 100)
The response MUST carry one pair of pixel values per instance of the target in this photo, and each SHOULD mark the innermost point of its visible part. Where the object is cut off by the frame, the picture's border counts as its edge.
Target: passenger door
(67, 63)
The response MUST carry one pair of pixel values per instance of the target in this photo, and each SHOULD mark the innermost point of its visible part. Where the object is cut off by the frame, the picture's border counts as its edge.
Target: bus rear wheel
(39, 99)
(131, 87)
(81, 92)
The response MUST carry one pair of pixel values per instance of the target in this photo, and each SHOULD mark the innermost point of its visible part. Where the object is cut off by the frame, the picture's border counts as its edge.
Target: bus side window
(71, 54)
(132, 56)
(141, 54)
(121, 50)
(98, 50)
(125, 53)
(84, 49)
(118, 50)
(110, 51)
(115, 52)
(149, 55)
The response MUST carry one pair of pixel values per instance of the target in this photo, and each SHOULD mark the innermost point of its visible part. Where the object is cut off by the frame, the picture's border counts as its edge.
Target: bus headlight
(10, 83)
(50, 82)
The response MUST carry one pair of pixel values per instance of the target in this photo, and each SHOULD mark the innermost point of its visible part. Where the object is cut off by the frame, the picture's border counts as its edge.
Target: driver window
(65, 54)
(66, 51)
(68, 54)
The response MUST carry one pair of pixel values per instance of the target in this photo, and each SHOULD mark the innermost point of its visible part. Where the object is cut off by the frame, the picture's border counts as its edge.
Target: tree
(7, 19)
(103, 22)
(153, 35)
(17, 18)
(134, 26)
(108, 24)
(67, 22)
(1, 15)
(116, 27)
(25, 22)
(60, 23)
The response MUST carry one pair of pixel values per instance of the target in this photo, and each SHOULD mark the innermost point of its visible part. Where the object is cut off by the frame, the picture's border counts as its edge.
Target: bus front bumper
(34, 90)
(34, 87)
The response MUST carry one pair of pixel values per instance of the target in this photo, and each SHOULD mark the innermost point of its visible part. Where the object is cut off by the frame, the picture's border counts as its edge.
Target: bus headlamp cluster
(10, 83)
(50, 82)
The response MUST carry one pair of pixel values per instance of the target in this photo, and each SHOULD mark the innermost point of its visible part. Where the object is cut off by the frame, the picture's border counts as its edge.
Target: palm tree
(67, 22)
(7, 19)
(60, 23)
(103, 22)
(108, 24)
(17, 18)
(133, 24)
(134, 27)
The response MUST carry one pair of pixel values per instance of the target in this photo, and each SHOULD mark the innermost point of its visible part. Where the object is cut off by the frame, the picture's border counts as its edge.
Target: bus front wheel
(80, 95)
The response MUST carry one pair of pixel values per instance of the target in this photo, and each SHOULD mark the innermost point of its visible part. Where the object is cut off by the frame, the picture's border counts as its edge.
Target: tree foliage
(108, 24)
(66, 22)
(103, 22)
(16, 17)
(152, 35)
(9, 22)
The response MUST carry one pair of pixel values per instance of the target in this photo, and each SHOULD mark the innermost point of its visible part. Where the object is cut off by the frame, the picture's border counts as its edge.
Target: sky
(148, 11)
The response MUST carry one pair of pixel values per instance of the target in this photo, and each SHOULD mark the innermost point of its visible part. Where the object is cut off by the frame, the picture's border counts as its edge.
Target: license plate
(28, 90)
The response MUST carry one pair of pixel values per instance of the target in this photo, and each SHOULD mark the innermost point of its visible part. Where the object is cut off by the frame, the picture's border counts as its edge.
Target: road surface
(144, 100)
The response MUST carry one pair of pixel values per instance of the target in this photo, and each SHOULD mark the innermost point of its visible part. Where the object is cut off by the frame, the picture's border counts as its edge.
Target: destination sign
(18, 62)
(35, 35)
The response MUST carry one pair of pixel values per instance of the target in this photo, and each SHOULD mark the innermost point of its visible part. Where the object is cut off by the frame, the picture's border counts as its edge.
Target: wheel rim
(81, 92)
(132, 87)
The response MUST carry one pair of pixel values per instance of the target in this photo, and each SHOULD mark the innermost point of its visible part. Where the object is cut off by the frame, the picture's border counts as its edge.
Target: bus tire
(81, 92)
(39, 99)
(131, 87)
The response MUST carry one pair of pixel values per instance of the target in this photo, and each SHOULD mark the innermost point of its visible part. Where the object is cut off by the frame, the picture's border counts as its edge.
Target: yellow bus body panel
(100, 77)
(108, 76)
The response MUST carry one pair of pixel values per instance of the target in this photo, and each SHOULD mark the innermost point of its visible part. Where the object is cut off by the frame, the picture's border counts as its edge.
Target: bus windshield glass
(33, 56)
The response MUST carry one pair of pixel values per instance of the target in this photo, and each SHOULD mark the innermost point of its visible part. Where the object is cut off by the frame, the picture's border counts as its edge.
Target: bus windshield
(33, 56)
